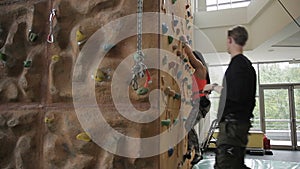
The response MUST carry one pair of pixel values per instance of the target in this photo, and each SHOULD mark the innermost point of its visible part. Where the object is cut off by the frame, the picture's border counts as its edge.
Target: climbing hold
(184, 119)
(177, 96)
(170, 39)
(49, 119)
(175, 22)
(189, 27)
(187, 21)
(178, 53)
(185, 60)
(184, 80)
(171, 65)
(179, 74)
(32, 36)
(99, 76)
(183, 100)
(175, 121)
(3, 57)
(177, 31)
(27, 63)
(174, 47)
(189, 86)
(189, 14)
(182, 38)
(84, 137)
(13, 123)
(187, 67)
(174, 1)
(142, 91)
(80, 37)
(55, 58)
(165, 28)
(164, 60)
(190, 42)
(166, 122)
(107, 47)
(170, 151)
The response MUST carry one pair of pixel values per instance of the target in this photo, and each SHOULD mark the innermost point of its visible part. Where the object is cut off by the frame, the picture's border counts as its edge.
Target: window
(212, 5)
(282, 72)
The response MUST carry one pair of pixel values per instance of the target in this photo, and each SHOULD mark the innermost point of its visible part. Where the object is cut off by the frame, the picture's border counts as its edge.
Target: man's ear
(229, 40)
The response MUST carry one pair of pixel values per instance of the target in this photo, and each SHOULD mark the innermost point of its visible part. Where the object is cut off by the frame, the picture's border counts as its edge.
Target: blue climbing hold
(179, 74)
(175, 22)
(170, 151)
(107, 47)
(165, 60)
(165, 28)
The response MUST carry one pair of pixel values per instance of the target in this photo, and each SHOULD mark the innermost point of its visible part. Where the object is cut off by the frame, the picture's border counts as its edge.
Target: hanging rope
(139, 69)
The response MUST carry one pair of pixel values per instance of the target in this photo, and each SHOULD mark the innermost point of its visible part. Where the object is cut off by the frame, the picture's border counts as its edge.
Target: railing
(279, 129)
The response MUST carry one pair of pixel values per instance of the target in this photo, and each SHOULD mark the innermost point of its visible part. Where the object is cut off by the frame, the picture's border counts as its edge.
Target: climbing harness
(139, 69)
(50, 37)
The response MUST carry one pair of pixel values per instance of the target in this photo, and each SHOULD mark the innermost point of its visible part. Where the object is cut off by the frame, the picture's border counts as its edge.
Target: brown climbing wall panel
(38, 52)
(175, 22)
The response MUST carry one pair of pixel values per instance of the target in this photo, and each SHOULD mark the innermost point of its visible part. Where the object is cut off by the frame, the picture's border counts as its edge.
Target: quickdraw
(50, 37)
(139, 69)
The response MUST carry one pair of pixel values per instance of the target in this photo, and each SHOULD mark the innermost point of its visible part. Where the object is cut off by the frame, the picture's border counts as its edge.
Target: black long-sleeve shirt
(238, 95)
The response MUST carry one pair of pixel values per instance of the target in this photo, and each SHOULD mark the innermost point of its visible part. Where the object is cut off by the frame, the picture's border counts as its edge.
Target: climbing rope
(139, 69)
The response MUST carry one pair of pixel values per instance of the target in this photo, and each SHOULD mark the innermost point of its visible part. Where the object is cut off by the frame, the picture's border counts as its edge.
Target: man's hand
(212, 87)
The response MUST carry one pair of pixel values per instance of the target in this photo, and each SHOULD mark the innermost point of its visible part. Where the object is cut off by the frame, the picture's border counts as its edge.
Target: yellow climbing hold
(100, 76)
(55, 58)
(84, 137)
(48, 119)
(80, 36)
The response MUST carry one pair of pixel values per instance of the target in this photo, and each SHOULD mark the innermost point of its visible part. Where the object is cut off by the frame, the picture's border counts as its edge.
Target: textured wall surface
(38, 123)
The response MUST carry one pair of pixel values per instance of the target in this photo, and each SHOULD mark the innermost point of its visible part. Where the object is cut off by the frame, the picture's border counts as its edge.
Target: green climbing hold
(3, 57)
(189, 86)
(32, 37)
(185, 60)
(184, 119)
(177, 96)
(166, 122)
(174, 1)
(142, 91)
(27, 63)
(170, 39)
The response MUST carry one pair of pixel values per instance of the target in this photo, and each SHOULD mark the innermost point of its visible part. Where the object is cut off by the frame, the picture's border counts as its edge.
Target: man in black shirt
(236, 104)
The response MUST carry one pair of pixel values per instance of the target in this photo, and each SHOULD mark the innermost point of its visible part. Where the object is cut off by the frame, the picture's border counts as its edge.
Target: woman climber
(200, 102)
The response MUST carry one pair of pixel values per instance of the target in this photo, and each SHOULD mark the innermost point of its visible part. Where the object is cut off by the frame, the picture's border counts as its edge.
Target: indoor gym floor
(281, 159)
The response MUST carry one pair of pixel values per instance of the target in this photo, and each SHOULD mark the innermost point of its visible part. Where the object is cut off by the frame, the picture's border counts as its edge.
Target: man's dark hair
(239, 34)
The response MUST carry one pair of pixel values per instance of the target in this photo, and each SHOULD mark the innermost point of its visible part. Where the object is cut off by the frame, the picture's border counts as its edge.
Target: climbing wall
(175, 81)
(40, 42)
